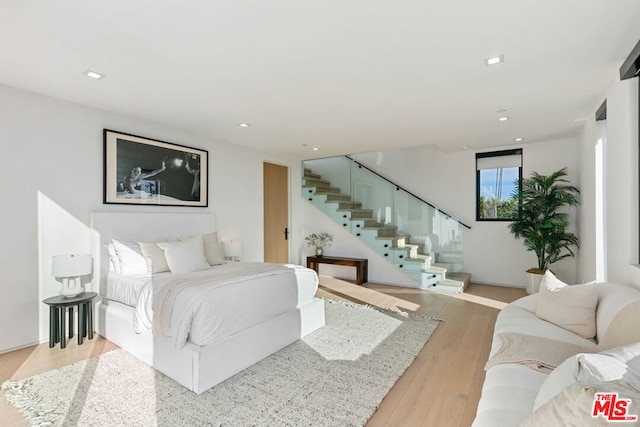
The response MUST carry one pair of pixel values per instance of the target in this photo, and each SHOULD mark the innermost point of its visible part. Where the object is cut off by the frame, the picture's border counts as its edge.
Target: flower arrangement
(319, 241)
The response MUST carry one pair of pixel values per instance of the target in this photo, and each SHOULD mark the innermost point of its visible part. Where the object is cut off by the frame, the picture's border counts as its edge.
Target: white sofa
(511, 390)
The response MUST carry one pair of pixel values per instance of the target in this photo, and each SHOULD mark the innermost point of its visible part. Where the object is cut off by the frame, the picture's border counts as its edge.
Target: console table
(361, 265)
(57, 317)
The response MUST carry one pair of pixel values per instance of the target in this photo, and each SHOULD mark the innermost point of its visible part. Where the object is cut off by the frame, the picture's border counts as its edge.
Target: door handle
(286, 233)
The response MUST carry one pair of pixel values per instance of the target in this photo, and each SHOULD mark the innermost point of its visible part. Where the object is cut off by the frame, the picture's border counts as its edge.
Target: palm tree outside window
(498, 174)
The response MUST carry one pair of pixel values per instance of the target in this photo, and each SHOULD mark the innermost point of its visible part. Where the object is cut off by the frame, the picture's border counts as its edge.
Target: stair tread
(330, 190)
(397, 236)
(459, 277)
(406, 246)
(411, 259)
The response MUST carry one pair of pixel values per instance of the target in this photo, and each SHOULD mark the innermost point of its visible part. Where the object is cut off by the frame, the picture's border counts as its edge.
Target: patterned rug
(336, 376)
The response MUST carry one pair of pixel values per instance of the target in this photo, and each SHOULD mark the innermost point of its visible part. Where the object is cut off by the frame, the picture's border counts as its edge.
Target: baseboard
(20, 347)
(497, 284)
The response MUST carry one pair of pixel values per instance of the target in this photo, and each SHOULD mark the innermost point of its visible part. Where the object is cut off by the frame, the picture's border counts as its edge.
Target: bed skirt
(199, 368)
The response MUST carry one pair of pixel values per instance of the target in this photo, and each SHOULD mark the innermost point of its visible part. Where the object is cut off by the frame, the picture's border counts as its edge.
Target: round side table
(57, 317)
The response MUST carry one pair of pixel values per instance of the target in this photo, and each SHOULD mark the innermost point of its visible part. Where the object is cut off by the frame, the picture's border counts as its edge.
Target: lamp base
(71, 287)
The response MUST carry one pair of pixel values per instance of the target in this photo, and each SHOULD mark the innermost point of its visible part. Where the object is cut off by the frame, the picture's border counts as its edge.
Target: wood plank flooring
(441, 388)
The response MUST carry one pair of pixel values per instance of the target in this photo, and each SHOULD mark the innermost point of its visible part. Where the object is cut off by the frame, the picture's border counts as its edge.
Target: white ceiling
(347, 76)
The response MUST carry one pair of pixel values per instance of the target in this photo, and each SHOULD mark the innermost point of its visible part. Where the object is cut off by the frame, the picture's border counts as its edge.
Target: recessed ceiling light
(244, 125)
(494, 60)
(315, 148)
(518, 139)
(503, 116)
(94, 75)
(466, 147)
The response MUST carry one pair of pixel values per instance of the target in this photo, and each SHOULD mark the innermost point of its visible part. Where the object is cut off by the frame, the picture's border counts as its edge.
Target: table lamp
(70, 268)
(232, 249)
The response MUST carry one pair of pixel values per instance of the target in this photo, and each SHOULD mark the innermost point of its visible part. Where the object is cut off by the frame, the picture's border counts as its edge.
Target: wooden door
(276, 213)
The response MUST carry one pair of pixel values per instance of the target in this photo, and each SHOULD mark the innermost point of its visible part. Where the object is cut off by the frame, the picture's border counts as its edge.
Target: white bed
(200, 367)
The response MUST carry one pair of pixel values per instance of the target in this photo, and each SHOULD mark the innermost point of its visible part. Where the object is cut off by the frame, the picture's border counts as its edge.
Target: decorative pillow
(130, 257)
(212, 249)
(571, 307)
(574, 406)
(114, 262)
(613, 364)
(155, 257)
(185, 256)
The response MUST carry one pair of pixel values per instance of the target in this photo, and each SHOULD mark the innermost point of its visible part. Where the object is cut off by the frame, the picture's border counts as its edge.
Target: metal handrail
(409, 192)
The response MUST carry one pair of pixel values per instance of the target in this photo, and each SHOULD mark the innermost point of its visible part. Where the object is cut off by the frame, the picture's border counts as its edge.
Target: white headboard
(144, 226)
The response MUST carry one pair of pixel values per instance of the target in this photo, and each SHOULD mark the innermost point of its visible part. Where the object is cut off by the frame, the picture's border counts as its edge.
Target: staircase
(376, 225)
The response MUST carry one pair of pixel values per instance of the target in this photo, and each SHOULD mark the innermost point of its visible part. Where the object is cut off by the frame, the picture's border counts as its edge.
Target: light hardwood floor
(441, 388)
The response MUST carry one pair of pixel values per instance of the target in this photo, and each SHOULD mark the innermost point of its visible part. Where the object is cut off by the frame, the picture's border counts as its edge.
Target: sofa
(552, 351)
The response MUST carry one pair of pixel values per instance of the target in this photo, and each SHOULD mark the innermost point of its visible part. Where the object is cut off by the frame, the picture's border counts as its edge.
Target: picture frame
(145, 171)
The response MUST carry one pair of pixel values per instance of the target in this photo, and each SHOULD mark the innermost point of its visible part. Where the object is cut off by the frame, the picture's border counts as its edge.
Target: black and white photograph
(146, 171)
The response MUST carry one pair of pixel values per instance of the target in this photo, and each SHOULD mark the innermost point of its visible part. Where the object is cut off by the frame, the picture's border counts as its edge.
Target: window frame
(487, 154)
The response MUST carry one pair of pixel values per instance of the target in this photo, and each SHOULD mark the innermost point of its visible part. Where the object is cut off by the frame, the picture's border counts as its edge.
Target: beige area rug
(336, 376)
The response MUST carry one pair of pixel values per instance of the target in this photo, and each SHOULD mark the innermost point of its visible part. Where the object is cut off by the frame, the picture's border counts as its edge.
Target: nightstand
(57, 317)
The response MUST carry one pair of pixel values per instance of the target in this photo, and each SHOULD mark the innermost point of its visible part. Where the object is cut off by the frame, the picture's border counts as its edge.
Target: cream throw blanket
(174, 285)
(538, 353)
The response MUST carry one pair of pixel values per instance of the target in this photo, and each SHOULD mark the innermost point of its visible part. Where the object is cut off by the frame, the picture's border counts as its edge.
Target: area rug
(335, 376)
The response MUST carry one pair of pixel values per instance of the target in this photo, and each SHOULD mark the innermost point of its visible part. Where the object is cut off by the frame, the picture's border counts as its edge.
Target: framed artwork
(144, 171)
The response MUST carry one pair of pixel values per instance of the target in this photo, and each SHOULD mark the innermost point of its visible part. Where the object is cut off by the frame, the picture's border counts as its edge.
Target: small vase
(318, 251)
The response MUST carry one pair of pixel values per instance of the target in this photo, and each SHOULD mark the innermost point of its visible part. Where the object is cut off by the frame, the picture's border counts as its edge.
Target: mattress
(209, 305)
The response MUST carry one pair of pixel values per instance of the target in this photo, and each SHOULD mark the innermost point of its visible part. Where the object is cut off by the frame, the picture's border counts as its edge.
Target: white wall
(621, 171)
(448, 180)
(345, 244)
(52, 177)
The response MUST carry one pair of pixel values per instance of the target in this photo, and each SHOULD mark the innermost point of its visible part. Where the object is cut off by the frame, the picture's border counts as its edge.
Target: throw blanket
(167, 289)
(539, 353)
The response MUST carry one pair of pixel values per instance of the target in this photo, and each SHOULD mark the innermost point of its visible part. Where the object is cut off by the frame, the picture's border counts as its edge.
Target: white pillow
(114, 262)
(130, 257)
(571, 307)
(154, 256)
(616, 363)
(212, 250)
(185, 256)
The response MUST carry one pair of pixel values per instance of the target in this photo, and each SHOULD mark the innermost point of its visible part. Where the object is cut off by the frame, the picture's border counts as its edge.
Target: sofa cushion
(612, 364)
(508, 393)
(571, 307)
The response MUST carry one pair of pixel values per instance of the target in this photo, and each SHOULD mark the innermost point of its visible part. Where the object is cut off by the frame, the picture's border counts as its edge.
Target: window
(498, 175)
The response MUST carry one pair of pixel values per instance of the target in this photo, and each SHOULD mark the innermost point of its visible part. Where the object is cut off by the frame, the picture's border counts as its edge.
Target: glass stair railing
(413, 235)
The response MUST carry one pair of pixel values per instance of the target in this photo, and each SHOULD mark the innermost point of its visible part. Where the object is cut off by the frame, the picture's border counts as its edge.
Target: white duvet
(206, 306)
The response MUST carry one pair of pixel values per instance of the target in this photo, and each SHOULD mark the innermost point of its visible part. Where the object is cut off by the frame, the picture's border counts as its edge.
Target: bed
(216, 322)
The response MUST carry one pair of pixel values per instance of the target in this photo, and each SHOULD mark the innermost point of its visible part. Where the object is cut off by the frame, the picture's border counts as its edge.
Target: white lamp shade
(72, 265)
(231, 248)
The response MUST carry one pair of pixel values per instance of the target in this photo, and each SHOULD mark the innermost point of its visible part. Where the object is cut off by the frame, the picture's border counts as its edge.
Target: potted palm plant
(319, 241)
(543, 221)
